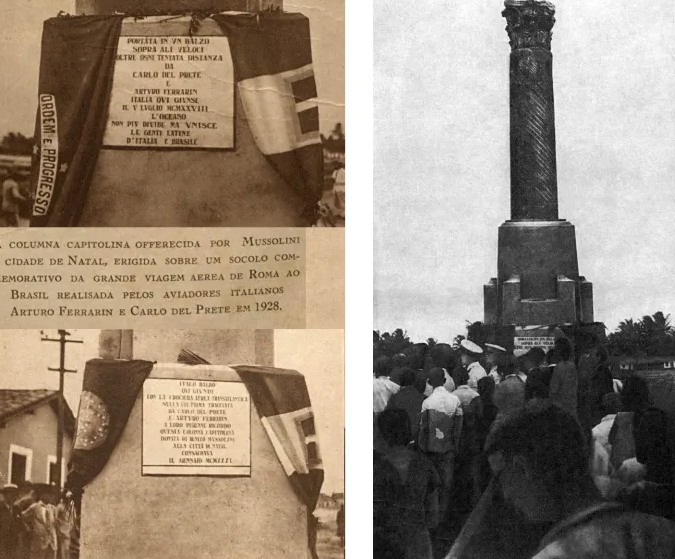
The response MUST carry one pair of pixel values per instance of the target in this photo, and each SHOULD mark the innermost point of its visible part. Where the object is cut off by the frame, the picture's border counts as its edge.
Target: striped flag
(284, 407)
(282, 401)
(272, 58)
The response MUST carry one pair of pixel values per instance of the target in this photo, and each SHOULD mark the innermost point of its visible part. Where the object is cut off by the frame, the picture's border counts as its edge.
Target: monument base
(182, 516)
(583, 336)
(538, 277)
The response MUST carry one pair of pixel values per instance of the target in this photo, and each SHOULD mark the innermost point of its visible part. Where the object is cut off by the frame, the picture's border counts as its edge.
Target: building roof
(16, 402)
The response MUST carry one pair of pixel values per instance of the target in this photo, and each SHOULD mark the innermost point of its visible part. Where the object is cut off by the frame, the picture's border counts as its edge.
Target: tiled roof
(16, 402)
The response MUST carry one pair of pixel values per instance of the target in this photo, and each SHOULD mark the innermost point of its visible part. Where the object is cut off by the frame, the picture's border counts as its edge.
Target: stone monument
(538, 281)
(152, 170)
(137, 512)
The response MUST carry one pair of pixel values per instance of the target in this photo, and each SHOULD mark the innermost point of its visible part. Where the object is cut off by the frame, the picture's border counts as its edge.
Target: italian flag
(272, 58)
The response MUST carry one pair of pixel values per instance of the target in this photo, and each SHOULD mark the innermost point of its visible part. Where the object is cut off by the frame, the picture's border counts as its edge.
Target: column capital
(529, 23)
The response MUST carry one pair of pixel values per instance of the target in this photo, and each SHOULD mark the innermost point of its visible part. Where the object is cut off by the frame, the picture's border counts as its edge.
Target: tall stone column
(534, 188)
(538, 281)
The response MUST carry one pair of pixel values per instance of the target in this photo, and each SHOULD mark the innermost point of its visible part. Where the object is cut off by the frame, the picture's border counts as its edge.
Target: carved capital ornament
(529, 23)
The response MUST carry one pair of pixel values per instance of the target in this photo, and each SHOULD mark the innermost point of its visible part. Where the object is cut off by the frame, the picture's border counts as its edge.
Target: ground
(328, 545)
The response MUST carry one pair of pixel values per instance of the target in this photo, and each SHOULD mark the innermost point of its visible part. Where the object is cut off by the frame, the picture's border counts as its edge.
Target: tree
(651, 336)
(390, 344)
(335, 141)
(16, 143)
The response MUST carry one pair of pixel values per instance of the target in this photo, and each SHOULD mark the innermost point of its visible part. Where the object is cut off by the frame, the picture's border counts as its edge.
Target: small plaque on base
(196, 428)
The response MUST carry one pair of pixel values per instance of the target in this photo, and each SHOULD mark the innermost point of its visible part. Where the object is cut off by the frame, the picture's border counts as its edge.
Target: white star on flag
(63, 168)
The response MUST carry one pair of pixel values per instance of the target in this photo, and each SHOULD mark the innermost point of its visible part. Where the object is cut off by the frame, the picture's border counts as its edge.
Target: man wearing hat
(494, 354)
(470, 354)
(8, 527)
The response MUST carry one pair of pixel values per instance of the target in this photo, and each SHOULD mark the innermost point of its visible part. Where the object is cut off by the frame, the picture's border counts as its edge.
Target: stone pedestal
(537, 251)
(538, 279)
(126, 514)
(190, 187)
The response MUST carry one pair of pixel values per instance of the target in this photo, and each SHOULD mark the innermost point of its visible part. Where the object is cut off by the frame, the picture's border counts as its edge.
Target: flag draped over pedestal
(111, 387)
(272, 57)
(285, 409)
(109, 392)
(76, 71)
(272, 60)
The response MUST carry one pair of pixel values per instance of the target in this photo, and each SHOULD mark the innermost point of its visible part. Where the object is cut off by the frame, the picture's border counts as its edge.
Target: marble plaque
(196, 428)
(172, 93)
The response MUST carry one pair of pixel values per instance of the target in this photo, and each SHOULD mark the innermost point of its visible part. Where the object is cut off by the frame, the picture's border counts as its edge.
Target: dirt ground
(328, 545)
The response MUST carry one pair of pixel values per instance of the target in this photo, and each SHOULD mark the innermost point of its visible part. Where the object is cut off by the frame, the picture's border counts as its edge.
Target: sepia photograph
(172, 444)
(524, 285)
(173, 113)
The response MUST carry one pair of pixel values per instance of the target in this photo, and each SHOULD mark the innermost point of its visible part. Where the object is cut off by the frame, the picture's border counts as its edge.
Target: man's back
(443, 401)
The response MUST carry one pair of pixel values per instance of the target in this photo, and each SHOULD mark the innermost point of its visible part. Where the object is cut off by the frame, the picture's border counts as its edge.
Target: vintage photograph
(172, 444)
(524, 286)
(173, 113)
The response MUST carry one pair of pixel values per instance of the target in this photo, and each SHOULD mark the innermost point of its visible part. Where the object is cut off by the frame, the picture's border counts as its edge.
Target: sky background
(441, 157)
(21, 35)
(317, 354)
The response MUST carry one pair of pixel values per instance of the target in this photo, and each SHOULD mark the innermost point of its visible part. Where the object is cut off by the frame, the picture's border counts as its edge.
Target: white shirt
(466, 394)
(495, 375)
(602, 429)
(339, 176)
(443, 401)
(476, 372)
(383, 389)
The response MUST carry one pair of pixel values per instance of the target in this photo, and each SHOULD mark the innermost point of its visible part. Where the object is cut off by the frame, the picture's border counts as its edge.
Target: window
(18, 468)
(51, 471)
(20, 463)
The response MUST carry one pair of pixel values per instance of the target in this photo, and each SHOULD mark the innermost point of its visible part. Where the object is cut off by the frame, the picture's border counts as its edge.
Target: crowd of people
(576, 463)
(36, 522)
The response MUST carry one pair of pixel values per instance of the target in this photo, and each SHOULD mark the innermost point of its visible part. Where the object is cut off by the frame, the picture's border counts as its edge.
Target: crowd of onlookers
(36, 522)
(571, 454)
